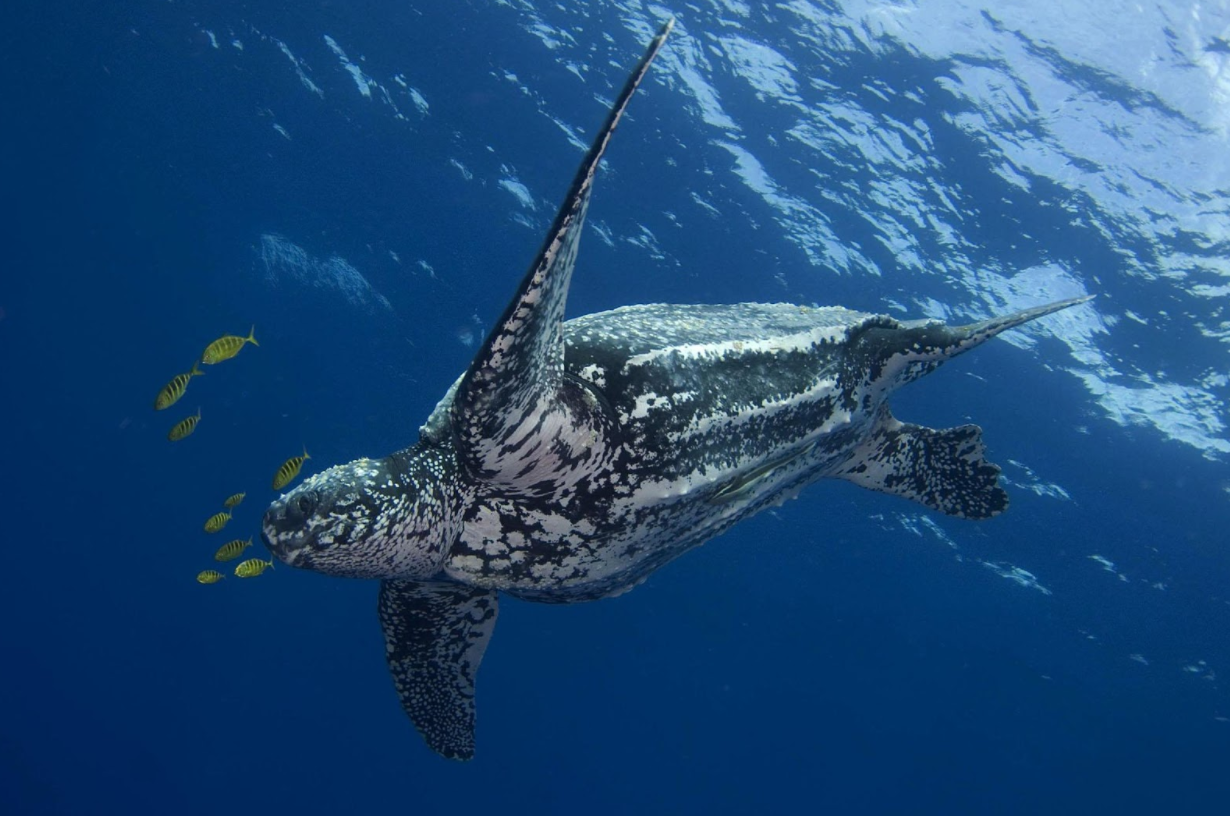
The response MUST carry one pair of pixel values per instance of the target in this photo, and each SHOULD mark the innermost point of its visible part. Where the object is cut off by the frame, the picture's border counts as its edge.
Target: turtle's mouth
(286, 556)
(291, 556)
(285, 533)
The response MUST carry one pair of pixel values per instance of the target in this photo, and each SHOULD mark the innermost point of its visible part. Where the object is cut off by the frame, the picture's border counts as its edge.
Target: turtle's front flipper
(435, 635)
(519, 422)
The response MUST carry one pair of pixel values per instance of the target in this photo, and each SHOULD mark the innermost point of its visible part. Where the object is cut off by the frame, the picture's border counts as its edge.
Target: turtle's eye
(307, 504)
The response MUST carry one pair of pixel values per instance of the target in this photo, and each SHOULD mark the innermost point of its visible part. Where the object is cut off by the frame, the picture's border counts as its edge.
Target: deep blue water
(835, 655)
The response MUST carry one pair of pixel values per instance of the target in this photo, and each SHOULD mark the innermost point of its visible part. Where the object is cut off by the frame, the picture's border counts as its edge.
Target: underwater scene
(332, 332)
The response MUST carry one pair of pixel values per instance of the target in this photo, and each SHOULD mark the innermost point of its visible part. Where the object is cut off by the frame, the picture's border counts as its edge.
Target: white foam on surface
(284, 261)
(519, 191)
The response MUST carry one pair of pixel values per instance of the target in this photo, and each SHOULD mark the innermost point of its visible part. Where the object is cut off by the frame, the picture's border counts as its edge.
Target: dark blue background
(819, 658)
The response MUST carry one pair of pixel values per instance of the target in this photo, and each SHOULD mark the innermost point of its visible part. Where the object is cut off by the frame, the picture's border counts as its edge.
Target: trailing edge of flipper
(519, 368)
(435, 635)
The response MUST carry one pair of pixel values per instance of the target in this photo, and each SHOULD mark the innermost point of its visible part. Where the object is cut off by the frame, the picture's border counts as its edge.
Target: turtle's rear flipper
(435, 635)
(945, 470)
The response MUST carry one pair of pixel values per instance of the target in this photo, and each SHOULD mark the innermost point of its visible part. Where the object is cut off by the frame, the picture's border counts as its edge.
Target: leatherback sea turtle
(576, 457)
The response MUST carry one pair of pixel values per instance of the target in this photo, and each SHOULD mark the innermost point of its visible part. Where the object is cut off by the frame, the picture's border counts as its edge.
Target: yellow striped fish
(172, 391)
(289, 470)
(226, 347)
(184, 427)
(232, 549)
(252, 567)
(233, 501)
(216, 522)
(209, 577)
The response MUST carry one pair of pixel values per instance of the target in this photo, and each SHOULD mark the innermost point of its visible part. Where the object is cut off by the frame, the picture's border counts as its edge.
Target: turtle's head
(371, 518)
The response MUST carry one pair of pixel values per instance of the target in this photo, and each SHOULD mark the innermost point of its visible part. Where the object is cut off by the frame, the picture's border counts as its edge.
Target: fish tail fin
(306, 455)
(251, 338)
(196, 369)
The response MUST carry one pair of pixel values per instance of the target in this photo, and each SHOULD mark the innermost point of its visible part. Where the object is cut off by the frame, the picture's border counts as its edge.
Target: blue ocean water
(366, 182)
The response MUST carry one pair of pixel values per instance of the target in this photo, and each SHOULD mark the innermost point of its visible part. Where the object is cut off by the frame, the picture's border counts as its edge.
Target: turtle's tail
(894, 356)
(977, 333)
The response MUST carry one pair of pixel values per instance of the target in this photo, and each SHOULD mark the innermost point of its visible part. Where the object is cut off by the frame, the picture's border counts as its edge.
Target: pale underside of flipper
(435, 635)
(518, 420)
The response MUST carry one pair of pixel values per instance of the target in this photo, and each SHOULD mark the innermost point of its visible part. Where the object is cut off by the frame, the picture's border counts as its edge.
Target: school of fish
(224, 348)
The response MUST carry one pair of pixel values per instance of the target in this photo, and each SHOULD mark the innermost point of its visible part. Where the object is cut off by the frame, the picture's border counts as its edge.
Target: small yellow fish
(233, 501)
(216, 522)
(289, 470)
(172, 391)
(252, 567)
(232, 549)
(209, 577)
(184, 427)
(226, 347)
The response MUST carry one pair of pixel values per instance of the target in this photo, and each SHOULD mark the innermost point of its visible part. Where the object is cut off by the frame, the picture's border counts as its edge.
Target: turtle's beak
(269, 544)
(283, 531)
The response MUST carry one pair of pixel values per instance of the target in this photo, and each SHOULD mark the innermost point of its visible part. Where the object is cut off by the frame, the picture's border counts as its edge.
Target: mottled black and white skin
(576, 457)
